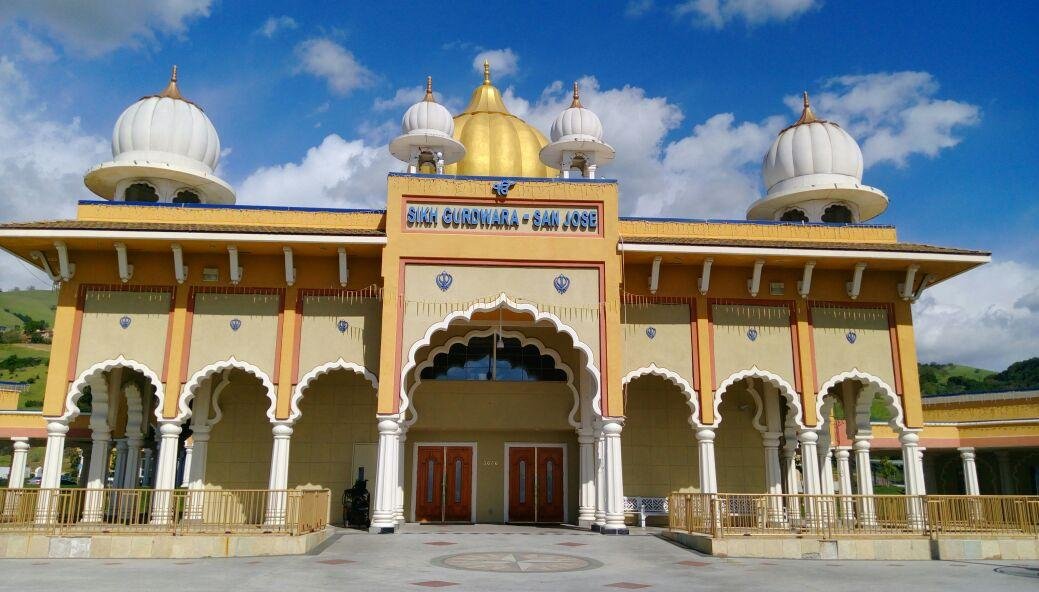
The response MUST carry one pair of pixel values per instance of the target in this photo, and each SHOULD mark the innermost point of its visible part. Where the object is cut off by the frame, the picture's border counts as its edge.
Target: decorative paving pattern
(514, 562)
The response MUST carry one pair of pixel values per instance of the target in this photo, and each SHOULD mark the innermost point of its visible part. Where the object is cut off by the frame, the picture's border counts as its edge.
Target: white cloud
(95, 28)
(326, 59)
(33, 50)
(402, 99)
(988, 317)
(504, 62)
(337, 173)
(637, 8)
(718, 13)
(41, 165)
(273, 24)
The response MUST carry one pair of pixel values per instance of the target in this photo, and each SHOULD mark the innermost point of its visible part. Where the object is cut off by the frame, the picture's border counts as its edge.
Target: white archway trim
(691, 397)
(524, 340)
(502, 301)
(772, 378)
(894, 403)
(304, 382)
(196, 380)
(71, 411)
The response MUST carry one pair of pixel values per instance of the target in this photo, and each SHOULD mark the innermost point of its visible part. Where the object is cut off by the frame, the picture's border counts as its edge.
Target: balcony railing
(840, 516)
(180, 511)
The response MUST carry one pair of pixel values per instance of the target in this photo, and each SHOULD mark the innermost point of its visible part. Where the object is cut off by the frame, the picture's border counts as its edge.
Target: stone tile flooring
(504, 558)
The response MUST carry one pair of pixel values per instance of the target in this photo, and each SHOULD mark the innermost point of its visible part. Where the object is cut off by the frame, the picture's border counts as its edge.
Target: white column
(119, 471)
(50, 481)
(708, 469)
(147, 464)
(970, 471)
(277, 498)
(914, 477)
(826, 471)
(16, 480)
(97, 473)
(843, 455)
(614, 478)
(864, 480)
(399, 510)
(600, 479)
(166, 472)
(791, 483)
(810, 474)
(1006, 476)
(132, 469)
(586, 499)
(383, 518)
(185, 477)
(773, 477)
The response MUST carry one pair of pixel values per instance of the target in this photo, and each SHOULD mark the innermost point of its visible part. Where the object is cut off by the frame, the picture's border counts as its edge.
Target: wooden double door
(444, 483)
(535, 483)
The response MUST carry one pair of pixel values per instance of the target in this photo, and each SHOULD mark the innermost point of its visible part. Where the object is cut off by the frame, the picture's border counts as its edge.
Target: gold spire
(576, 103)
(171, 91)
(806, 114)
(486, 72)
(429, 90)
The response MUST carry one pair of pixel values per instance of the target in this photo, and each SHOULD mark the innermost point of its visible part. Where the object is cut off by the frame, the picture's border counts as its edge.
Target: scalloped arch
(775, 380)
(319, 371)
(894, 403)
(71, 411)
(188, 392)
(524, 340)
(691, 396)
(502, 301)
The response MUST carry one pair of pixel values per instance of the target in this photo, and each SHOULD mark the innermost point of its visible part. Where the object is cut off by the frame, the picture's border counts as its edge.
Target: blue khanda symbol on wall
(444, 281)
(124, 322)
(236, 324)
(501, 188)
(651, 332)
(342, 325)
(752, 334)
(561, 283)
(851, 336)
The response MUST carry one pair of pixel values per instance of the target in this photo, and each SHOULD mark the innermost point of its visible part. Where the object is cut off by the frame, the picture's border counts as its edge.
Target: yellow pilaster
(288, 356)
(61, 350)
(176, 358)
(807, 361)
(907, 361)
(704, 355)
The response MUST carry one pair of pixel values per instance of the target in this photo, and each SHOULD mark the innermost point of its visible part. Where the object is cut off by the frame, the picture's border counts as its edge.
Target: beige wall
(871, 352)
(738, 450)
(474, 405)
(144, 340)
(322, 342)
(338, 413)
(213, 340)
(240, 443)
(671, 347)
(658, 446)
(734, 351)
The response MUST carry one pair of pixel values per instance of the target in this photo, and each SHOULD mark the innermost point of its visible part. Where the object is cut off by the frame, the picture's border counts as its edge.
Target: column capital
(389, 425)
(170, 428)
(909, 437)
(967, 452)
(282, 429)
(20, 444)
(842, 452)
(57, 427)
(807, 436)
(705, 433)
(862, 444)
(771, 439)
(612, 426)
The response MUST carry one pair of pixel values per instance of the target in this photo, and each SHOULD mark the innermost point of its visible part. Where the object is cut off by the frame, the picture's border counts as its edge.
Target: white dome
(165, 129)
(812, 147)
(576, 122)
(427, 116)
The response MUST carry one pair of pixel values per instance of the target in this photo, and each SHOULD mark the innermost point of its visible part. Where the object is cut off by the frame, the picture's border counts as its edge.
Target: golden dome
(497, 143)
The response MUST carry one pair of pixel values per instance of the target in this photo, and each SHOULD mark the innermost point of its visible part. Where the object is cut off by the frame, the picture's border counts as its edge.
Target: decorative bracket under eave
(855, 285)
(754, 283)
(804, 287)
(654, 275)
(125, 269)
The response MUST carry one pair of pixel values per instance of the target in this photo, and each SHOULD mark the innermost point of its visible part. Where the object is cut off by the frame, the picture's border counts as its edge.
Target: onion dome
(577, 140)
(163, 136)
(497, 142)
(426, 130)
(815, 160)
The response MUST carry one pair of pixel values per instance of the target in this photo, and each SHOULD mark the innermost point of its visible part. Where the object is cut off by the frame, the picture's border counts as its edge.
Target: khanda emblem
(342, 325)
(561, 283)
(444, 281)
(501, 188)
(851, 336)
(752, 334)
(124, 322)
(236, 324)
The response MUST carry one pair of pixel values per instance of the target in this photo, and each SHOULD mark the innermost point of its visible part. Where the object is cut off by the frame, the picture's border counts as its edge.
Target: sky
(942, 97)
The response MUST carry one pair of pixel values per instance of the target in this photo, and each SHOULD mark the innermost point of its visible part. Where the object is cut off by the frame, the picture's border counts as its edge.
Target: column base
(586, 523)
(382, 529)
(613, 530)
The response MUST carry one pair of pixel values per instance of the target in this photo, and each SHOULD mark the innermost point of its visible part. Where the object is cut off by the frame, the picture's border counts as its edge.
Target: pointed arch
(692, 399)
(785, 389)
(196, 380)
(862, 404)
(319, 371)
(502, 301)
(71, 410)
(524, 340)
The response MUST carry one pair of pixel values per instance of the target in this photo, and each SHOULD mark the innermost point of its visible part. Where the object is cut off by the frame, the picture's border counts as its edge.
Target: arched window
(837, 214)
(186, 196)
(140, 192)
(794, 215)
(484, 358)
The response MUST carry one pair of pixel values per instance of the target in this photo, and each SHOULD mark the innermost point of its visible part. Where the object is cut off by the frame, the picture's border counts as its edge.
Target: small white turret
(164, 149)
(813, 173)
(425, 142)
(577, 141)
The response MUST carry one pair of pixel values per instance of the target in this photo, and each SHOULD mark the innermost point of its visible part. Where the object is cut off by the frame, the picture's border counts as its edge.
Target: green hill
(949, 379)
(35, 304)
(26, 362)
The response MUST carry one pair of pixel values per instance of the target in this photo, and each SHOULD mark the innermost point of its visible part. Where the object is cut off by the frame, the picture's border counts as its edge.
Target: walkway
(501, 558)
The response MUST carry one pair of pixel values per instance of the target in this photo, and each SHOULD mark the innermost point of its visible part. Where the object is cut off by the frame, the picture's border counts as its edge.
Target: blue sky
(942, 98)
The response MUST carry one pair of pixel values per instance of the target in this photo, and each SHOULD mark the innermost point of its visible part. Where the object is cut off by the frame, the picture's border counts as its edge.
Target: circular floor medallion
(516, 562)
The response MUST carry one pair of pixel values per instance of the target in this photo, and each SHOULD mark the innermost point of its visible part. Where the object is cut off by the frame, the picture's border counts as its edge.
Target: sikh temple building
(498, 344)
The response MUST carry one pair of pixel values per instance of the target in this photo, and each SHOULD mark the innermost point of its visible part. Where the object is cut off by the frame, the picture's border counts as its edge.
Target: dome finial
(806, 113)
(486, 72)
(171, 91)
(429, 90)
(576, 103)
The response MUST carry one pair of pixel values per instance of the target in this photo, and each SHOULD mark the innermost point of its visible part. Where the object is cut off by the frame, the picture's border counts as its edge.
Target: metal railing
(839, 516)
(178, 511)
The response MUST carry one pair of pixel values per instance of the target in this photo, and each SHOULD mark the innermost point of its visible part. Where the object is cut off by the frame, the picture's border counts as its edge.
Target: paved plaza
(501, 558)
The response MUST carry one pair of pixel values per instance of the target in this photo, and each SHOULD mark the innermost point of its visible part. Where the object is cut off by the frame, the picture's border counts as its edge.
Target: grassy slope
(38, 372)
(34, 303)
